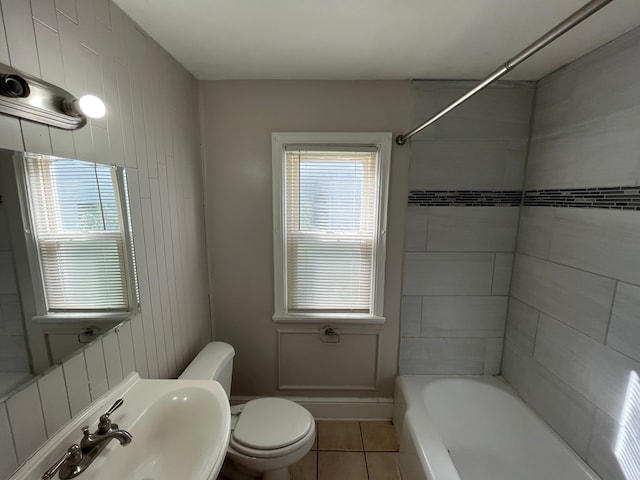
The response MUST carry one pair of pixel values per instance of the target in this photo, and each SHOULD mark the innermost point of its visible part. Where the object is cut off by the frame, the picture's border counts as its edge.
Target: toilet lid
(269, 423)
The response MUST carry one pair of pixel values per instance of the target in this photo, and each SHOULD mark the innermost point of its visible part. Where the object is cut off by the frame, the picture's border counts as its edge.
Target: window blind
(77, 218)
(331, 218)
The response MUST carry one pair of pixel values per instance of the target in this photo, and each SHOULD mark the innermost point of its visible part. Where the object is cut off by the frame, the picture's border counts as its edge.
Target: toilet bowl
(267, 434)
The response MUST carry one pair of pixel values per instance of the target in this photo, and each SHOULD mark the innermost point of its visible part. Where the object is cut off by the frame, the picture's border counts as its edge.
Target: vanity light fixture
(25, 96)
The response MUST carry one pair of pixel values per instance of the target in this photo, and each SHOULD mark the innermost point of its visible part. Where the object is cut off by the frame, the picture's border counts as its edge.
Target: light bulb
(92, 106)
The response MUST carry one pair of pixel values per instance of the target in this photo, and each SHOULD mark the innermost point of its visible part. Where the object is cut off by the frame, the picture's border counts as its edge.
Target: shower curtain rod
(577, 17)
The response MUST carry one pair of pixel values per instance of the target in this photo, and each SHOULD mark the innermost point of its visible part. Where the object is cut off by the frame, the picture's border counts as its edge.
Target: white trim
(279, 141)
(333, 318)
(279, 254)
(384, 166)
(339, 408)
(71, 317)
(124, 212)
(74, 323)
(30, 239)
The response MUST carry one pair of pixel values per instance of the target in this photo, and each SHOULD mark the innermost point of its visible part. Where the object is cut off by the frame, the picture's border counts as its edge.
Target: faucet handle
(115, 406)
(72, 457)
(105, 423)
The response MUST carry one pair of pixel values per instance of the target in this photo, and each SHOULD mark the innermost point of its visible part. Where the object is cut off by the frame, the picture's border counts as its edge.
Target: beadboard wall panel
(151, 128)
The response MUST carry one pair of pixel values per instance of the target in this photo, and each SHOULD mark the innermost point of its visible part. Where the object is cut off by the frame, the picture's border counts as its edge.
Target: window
(82, 257)
(330, 202)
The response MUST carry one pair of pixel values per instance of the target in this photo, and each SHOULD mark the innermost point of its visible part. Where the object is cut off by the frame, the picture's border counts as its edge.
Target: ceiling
(371, 39)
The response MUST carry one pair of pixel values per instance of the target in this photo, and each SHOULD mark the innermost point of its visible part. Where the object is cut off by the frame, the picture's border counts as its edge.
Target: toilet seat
(271, 427)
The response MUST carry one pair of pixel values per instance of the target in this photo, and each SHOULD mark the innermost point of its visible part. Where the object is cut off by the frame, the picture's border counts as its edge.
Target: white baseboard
(339, 408)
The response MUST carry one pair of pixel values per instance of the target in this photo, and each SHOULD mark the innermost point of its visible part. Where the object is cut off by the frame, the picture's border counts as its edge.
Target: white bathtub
(475, 428)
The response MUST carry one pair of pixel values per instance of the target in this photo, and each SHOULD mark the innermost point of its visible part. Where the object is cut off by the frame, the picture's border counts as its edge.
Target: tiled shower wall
(466, 179)
(152, 129)
(572, 347)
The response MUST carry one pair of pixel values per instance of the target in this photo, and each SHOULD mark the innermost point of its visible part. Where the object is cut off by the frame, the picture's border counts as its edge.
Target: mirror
(67, 269)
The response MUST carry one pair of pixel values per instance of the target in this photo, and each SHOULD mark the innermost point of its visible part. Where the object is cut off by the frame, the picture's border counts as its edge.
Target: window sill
(333, 318)
(101, 322)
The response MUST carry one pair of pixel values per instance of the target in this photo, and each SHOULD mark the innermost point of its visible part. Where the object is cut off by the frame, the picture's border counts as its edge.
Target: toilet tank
(214, 362)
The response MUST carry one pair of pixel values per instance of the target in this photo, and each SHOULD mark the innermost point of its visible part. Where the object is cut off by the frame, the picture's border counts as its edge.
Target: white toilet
(267, 434)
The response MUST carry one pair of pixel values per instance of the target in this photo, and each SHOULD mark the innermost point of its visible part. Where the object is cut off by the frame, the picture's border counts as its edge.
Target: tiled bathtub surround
(466, 187)
(573, 328)
(92, 45)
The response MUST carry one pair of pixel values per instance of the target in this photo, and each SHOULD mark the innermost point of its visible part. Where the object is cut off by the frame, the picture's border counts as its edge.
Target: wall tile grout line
(493, 274)
(13, 439)
(420, 333)
(116, 333)
(559, 381)
(33, 28)
(66, 387)
(591, 430)
(564, 324)
(565, 265)
(572, 327)
(535, 335)
(613, 302)
(44, 420)
(582, 334)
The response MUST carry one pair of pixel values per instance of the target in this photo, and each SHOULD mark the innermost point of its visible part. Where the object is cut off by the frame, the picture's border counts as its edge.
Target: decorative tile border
(620, 198)
(464, 198)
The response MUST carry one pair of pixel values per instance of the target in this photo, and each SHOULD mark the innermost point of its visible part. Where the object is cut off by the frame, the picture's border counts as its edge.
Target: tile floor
(349, 450)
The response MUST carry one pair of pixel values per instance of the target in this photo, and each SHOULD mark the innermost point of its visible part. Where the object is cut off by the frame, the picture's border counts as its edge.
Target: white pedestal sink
(180, 429)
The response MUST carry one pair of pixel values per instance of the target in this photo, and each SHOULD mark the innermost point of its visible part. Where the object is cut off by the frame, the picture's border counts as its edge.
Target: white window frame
(56, 318)
(380, 140)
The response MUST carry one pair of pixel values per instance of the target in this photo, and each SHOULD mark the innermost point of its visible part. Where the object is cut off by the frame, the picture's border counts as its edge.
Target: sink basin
(180, 429)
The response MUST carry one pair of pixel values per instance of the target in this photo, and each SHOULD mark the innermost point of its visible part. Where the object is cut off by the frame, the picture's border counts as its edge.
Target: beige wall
(91, 45)
(238, 118)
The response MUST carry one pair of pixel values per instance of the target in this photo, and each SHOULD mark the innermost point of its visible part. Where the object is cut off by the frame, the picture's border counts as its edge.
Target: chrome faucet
(94, 440)
(79, 457)
(106, 432)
